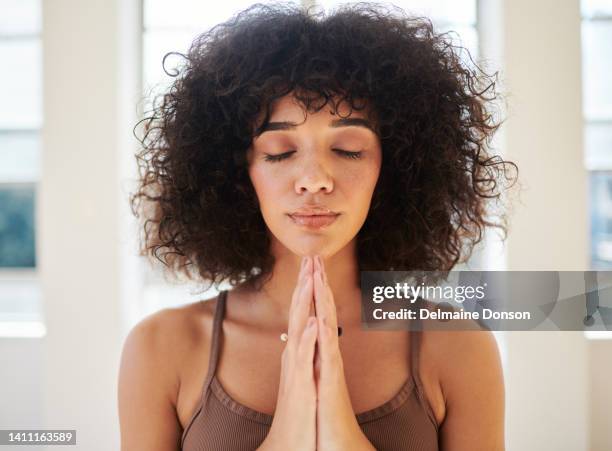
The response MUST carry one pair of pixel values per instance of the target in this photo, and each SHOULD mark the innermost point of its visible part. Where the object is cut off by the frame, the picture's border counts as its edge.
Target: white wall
(600, 394)
(537, 46)
(89, 108)
(20, 383)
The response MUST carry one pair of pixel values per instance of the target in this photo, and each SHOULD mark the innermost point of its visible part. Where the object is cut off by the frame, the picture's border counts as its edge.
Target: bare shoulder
(468, 367)
(170, 332)
(462, 354)
(151, 373)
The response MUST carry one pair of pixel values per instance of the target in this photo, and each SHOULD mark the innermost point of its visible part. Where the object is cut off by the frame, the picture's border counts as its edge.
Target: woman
(292, 152)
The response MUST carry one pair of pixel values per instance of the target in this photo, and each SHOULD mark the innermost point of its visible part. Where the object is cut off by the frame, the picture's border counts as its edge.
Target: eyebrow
(344, 122)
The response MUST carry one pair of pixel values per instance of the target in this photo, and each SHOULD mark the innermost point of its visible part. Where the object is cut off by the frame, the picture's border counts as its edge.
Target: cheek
(268, 187)
(260, 182)
(366, 190)
(360, 183)
(372, 174)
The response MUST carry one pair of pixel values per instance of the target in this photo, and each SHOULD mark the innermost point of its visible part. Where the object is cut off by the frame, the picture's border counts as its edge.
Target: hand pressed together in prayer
(313, 409)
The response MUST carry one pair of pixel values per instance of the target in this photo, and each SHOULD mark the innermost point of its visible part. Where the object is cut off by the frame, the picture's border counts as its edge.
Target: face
(317, 160)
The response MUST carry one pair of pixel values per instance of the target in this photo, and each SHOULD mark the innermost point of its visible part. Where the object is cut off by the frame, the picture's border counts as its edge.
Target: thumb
(317, 363)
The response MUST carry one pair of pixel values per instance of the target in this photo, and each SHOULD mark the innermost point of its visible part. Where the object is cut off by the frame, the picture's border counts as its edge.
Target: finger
(324, 300)
(310, 272)
(298, 286)
(317, 360)
(328, 327)
(306, 348)
(327, 340)
(295, 298)
(299, 316)
(322, 266)
(330, 298)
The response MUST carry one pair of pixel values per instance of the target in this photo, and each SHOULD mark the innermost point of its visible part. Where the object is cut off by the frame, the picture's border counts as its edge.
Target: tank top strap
(416, 339)
(415, 347)
(215, 338)
(212, 361)
(416, 335)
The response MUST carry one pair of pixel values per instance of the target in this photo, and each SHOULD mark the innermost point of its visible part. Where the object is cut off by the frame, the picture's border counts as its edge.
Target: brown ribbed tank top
(220, 423)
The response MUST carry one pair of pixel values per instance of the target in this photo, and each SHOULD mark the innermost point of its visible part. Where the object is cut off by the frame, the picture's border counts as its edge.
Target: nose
(313, 177)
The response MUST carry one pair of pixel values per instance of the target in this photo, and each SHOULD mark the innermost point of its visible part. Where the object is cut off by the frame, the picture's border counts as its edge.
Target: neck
(274, 299)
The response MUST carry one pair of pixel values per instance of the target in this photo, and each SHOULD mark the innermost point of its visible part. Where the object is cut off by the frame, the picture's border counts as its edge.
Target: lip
(314, 221)
(310, 210)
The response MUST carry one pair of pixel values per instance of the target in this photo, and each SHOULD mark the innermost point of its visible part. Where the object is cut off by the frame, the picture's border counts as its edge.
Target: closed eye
(345, 153)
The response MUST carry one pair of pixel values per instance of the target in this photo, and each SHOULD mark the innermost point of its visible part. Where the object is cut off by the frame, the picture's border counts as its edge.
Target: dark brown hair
(433, 115)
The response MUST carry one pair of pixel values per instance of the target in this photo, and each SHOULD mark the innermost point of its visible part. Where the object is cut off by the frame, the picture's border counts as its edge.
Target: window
(455, 16)
(20, 124)
(171, 27)
(597, 110)
(597, 114)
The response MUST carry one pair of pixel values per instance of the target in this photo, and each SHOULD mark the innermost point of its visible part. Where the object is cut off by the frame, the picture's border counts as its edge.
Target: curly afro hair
(432, 113)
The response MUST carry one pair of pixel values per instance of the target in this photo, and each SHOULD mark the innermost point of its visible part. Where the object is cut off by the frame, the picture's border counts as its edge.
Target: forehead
(290, 108)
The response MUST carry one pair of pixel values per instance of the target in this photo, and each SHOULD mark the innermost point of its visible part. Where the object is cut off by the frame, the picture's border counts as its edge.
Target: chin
(325, 249)
(305, 248)
(310, 244)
